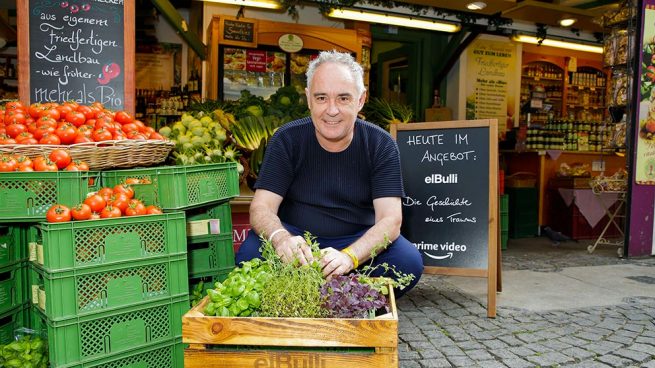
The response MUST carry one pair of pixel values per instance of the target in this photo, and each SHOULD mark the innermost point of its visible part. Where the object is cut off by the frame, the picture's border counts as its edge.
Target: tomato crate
(63, 295)
(205, 257)
(240, 342)
(64, 246)
(204, 223)
(87, 339)
(163, 355)
(13, 247)
(27, 196)
(180, 187)
(12, 287)
(10, 321)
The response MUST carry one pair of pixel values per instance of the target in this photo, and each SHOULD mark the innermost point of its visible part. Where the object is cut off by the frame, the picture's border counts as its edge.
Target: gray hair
(337, 57)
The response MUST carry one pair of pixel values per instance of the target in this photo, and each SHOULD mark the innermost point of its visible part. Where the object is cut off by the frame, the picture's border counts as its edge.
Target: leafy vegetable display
(26, 352)
(382, 112)
(269, 287)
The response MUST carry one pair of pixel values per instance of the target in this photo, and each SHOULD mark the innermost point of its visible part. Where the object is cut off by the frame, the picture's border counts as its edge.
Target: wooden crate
(266, 342)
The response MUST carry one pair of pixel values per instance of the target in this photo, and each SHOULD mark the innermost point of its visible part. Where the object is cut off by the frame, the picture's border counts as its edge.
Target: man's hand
(294, 247)
(335, 263)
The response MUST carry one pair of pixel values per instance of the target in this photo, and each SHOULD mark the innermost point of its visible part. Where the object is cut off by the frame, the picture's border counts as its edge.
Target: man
(333, 175)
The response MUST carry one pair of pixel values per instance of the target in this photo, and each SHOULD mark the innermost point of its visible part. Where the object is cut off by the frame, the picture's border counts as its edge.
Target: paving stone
(637, 356)
(517, 363)
(620, 339)
(578, 353)
(572, 340)
(589, 364)
(503, 354)
(650, 364)
(510, 340)
(645, 340)
(461, 361)
(643, 348)
(495, 345)
(420, 345)
(413, 355)
(613, 360)
(555, 345)
(479, 354)
(521, 351)
(450, 351)
(603, 347)
(435, 363)
(409, 364)
(491, 364)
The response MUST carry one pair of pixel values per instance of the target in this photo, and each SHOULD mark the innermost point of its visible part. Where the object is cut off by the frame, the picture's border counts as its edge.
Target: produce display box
(164, 355)
(240, 342)
(12, 287)
(27, 196)
(65, 246)
(180, 187)
(204, 223)
(12, 245)
(67, 294)
(86, 340)
(11, 320)
(210, 256)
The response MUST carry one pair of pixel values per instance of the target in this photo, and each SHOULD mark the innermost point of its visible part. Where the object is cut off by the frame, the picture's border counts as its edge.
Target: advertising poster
(645, 158)
(158, 66)
(491, 85)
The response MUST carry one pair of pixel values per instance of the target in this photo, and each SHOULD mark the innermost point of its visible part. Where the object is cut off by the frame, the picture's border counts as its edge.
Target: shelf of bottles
(586, 92)
(569, 135)
(546, 77)
(166, 104)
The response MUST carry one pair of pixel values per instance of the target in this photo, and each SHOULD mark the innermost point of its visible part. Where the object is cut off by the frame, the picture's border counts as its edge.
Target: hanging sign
(290, 42)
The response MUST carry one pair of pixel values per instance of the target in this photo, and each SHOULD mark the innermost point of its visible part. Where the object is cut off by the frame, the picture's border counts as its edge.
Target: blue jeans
(401, 254)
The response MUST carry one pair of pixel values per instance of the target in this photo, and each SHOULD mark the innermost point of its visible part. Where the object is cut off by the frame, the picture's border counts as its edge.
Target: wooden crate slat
(280, 358)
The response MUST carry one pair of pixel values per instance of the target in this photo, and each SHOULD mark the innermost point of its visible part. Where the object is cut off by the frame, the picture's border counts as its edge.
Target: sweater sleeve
(276, 172)
(386, 180)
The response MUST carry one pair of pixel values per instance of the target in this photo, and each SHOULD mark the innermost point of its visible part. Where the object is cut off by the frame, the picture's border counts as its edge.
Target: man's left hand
(335, 263)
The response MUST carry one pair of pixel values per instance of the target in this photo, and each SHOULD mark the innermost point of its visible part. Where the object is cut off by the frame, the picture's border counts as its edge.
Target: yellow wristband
(352, 256)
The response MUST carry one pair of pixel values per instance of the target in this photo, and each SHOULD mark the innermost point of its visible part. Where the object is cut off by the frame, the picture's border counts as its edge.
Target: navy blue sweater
(330, 194)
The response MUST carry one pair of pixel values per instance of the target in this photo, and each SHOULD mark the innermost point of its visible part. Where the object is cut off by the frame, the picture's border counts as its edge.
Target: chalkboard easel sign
(450, 212)
(238, 32)
(79, 51)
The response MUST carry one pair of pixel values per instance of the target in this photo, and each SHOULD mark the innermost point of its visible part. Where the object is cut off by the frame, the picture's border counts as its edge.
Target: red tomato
(94, 216)
(25, 168)
(106, 193)
(101, 134)
(123, 117)
(96, 202)
(15, 117)
(76, 118)
(24, 161)
(35, 110)
(126, 189)
(64, 109)
(22, 136)
(13, 130)
(50, 138)
(44, 164)
(110, 211)
(42, 130)
(83, 166)
(156, 136)
(81, 138)
(88, 112)
(135, 208)
(153, 210)
(66, 132)
(58, 213)
(81, 212)
(52, 113)
(120, 201)
(14, 105)
(61, 157)
(7, 164)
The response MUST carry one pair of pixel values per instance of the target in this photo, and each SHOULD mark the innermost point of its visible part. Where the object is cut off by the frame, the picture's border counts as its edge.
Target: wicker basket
(521, 180)
(103, 155)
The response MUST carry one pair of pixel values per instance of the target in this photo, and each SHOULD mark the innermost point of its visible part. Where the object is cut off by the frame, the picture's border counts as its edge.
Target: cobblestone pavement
(439, 326)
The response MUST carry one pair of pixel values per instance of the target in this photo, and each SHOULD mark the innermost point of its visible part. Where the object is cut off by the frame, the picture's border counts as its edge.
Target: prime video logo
(441, 179)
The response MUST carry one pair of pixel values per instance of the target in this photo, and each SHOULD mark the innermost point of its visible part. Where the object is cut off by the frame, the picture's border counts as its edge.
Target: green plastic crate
(180, 187)
(81, 244)
(67, 294)
(504, 203)
(504, 236)
(504, 221)
(12, 288)
(164, 355)
(27, 196)
(109, 335)
(206, 257)
(202, 221)
(10, 321)
(12, 245)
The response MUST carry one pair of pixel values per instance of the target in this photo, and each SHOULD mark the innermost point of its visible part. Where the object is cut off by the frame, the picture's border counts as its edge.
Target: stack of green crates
(203, 192)
(523, 212)
(504, 221)
(24, 199)
(13, 289)
(110, 290)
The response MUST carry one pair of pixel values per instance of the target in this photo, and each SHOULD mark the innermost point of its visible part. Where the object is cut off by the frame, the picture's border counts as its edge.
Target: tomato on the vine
(43, 163)
(24, 161)
(123, 188)
(119, 200)
(81, 212)
(58, 213)
(106, 193)
(7, 164)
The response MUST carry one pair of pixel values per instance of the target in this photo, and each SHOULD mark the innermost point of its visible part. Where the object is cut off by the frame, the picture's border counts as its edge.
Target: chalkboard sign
(239, 31)
(450, 209)
(77, 50)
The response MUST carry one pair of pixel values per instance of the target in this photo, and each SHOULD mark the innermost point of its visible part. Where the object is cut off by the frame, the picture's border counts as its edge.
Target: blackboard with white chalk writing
(447, 183)
(76, 52)
(239, 31)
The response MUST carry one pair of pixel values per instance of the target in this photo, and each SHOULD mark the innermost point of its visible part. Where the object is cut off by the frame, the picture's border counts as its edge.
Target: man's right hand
(290, 247)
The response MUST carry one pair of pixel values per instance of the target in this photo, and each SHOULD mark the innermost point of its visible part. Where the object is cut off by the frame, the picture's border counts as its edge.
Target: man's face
(334, 103)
